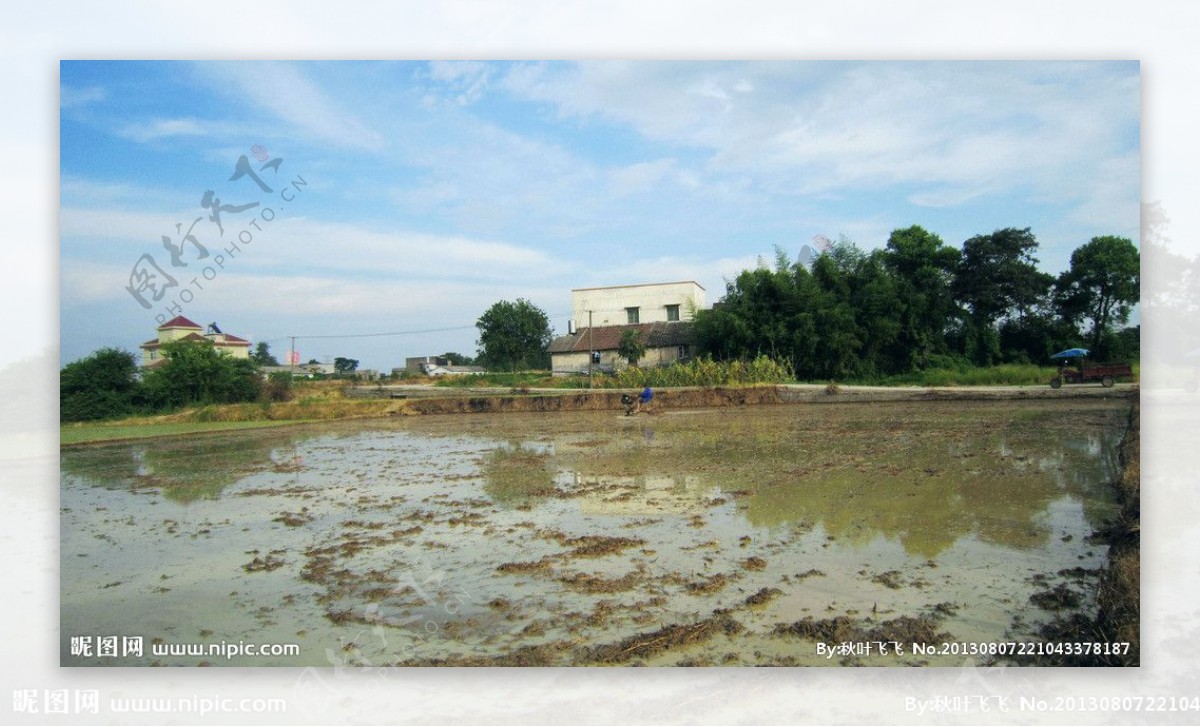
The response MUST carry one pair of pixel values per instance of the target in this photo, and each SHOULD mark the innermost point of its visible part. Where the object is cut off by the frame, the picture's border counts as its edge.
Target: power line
(310, 336)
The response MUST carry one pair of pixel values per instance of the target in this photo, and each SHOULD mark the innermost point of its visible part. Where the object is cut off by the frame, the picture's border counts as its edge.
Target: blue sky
(432, 190)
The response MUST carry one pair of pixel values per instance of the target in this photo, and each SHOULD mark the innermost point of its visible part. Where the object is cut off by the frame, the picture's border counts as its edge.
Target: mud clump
(259, 565)
(764, 595)
(921, 629)
(294, 519)
(754, 563)
(709, 585)
(550, 654)
(891, 579)
(1058, 598)
(594, 546)
(594, 584)
(535, 566)
(645, 645)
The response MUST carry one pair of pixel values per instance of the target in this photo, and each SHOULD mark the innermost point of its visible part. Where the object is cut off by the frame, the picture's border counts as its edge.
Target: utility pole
(591, 348)
(292, 358)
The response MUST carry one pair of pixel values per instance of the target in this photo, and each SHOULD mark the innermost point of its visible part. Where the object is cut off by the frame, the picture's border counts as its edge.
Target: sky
(374, 210)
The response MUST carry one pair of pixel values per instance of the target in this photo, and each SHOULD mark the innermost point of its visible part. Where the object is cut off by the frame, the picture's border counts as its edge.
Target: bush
(277, 387)
(703, 372)
(103, 385)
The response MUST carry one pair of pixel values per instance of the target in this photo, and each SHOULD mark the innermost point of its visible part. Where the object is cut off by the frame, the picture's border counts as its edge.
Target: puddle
(726, 537)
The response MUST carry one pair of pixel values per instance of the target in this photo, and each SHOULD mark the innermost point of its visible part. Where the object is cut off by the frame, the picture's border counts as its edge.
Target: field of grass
(104, 432)
(1002, 375)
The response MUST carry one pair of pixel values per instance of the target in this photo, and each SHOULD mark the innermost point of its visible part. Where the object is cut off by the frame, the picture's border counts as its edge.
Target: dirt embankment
(595, 401)
(1120, 587)
(1118, 599)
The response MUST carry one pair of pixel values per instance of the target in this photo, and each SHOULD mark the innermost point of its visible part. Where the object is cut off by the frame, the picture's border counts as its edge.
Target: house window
(632, 315)
(672, 313)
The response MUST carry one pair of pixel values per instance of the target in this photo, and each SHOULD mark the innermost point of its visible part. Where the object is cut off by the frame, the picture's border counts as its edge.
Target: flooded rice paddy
(709, 537)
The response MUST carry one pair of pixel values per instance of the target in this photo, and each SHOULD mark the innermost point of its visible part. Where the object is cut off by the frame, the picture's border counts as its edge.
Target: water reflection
(184, 470)
(927, 496)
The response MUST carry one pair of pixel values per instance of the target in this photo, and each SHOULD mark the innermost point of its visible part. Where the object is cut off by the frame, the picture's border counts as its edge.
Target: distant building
(665, 344)
(182, 329)
(417, 364)
(661, 313)
(435, 366)
(306, 370)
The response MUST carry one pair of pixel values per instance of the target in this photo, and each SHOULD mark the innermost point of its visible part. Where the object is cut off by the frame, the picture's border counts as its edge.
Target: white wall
(608, 304)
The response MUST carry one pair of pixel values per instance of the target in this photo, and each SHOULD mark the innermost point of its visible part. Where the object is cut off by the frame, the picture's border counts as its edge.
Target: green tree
(1101, 286)
(100, 386)
(196, 373)
(262, 355)
(457, 359)
(996, 278)
(924, 268)
(345, 365)
(514, 335)
(630, 347)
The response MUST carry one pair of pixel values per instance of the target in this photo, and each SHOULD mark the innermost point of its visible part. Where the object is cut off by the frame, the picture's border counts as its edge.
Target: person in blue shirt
(644, 398)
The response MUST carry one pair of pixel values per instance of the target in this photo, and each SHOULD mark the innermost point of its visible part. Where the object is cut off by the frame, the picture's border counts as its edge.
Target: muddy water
(725, 537)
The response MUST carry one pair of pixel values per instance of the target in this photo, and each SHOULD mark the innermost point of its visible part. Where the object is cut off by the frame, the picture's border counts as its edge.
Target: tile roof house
(182, 329)
(665, 342)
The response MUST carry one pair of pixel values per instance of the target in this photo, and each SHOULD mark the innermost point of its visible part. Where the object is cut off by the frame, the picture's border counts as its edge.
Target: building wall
(174, 334)
(239, 350)
(608, 305)
(564, 363)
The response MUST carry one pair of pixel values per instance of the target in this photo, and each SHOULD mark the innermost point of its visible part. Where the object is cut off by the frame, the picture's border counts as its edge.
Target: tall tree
(997, 277)
(345, 365)
(262, 355)
(924, 267)
(1101, 286)
(514, 335)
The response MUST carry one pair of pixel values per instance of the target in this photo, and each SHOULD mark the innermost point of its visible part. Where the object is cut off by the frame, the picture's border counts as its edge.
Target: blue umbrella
(1071, 353)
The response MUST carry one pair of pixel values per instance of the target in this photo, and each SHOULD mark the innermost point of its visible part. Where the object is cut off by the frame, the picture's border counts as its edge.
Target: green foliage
(262, 355)
(457, 359)
(345, 365)
(514, 335)
(630, 346)
(997, 278)
(963, 373)
(1101, 286)
(196, 373)
(857, 316)
(703, 372)
(103, 385)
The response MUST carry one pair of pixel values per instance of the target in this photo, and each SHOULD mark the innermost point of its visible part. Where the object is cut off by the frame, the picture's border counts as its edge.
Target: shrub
(703, 372)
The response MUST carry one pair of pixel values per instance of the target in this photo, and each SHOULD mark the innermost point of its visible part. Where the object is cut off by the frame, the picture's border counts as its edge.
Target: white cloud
(71, 97)
(299, 244)
(466, 80)
(285, 91)
(159, 129)
(810, 128)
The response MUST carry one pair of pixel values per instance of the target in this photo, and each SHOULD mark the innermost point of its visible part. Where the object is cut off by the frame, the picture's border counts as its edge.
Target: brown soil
(642, 646)
(921, 629)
